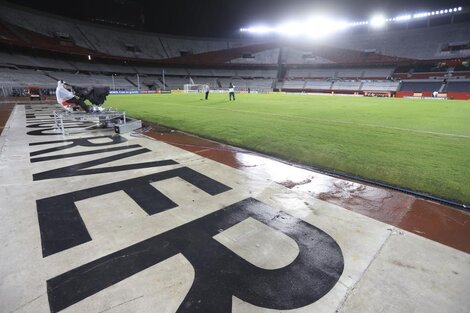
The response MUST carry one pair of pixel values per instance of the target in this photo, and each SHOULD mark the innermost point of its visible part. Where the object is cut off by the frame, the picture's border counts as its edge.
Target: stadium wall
(427, 94)
(459, 95)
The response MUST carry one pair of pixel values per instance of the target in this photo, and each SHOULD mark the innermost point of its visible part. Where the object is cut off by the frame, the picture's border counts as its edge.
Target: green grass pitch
(423, 145)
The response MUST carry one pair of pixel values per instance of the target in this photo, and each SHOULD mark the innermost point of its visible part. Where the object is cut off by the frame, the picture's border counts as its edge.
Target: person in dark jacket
(206, 91)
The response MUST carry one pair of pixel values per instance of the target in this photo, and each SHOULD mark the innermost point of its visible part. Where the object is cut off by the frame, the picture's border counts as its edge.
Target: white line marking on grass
(336, 122)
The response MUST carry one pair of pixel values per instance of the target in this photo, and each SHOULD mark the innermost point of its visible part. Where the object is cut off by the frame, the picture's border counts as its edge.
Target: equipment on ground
(96, 95)
(107, 118)
(129, 126)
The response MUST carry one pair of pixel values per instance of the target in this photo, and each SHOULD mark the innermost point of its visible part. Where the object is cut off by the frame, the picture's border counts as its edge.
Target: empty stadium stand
(38, 48)
(421, 86)
(422, 44)
(347, 85)
(293, 84)
(356, 73)
(372, 47)
(318, 85)
(25, 78)
(375, 86)
(457, 86)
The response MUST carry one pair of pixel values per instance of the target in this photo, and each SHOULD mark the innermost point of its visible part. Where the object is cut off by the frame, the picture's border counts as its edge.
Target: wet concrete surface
(431, 220)
(99, 222)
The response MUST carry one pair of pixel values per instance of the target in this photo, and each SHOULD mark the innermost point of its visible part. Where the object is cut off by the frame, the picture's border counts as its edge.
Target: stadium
(258, 156)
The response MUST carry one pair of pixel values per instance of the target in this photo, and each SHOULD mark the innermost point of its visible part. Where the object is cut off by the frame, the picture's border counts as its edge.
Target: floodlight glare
(378, 21)
(290, 29)
(320, 27)
(262, 30)
(258, 30)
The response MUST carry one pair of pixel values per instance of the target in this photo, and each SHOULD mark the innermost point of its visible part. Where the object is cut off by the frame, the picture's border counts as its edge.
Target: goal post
(193, 88)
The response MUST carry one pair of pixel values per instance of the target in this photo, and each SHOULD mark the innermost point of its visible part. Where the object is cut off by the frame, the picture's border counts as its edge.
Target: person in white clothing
(231, 92)
(67, 98)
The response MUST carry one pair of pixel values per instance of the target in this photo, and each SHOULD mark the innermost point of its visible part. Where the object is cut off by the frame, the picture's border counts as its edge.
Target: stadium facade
(414, 58)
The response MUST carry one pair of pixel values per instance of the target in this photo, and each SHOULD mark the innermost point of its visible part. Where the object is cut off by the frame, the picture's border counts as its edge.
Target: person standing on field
(206, 90)
(231, 92)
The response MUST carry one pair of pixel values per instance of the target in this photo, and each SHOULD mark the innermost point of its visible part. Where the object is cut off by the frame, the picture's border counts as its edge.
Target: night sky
(222, 18)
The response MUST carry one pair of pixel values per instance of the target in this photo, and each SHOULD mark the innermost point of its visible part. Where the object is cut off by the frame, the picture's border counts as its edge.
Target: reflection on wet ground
(435, 221)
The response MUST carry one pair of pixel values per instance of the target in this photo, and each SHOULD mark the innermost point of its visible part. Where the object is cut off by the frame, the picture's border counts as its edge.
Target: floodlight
(378, 21)
(403, 17)
(441, 11)
(418, 15)
(460, 8)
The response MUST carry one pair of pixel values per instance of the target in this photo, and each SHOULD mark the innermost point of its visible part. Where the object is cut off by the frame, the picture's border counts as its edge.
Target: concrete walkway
(98, 222)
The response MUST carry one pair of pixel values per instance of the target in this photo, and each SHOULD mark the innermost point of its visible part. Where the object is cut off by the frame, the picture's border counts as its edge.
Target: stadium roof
(216, 18)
